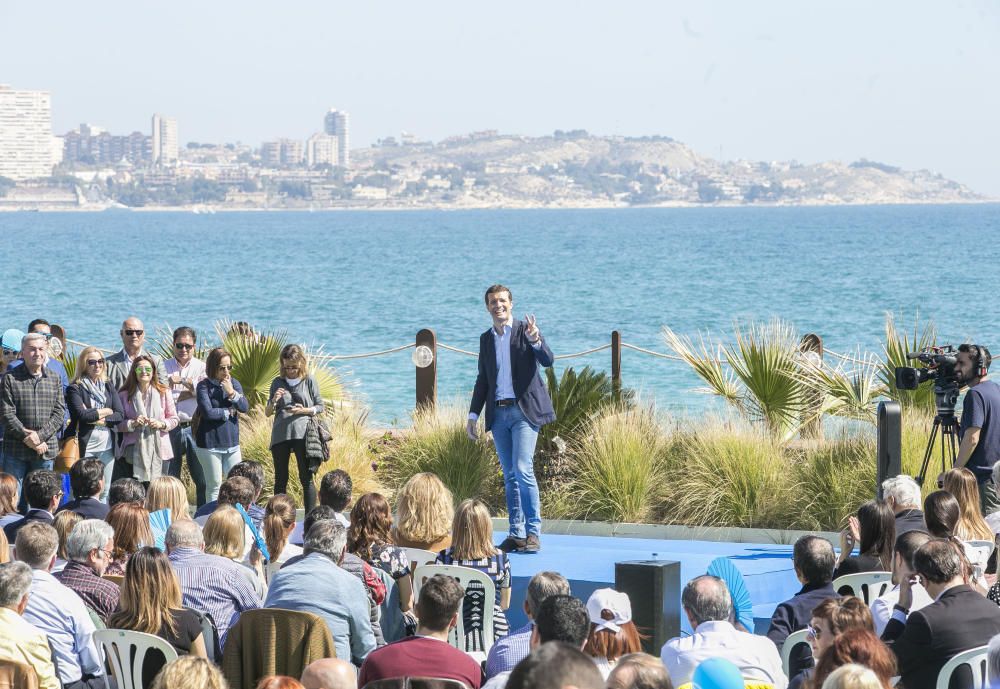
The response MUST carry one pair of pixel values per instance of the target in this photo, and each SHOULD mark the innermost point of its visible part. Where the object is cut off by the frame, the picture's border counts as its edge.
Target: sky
(913, 83)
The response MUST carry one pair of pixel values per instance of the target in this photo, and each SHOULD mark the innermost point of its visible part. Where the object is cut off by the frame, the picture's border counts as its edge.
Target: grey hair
(184, 533)
(543, 585)
(903, 491)
(707, 599)
(15, 581)
(31, 336)
(36, 544)
(87, 536)
(326, 537)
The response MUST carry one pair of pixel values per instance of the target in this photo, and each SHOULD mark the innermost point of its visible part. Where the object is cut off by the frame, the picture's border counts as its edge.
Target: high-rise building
(164, 140)
(25, 133)
(281, 153)
(322, 149)
(337, 123)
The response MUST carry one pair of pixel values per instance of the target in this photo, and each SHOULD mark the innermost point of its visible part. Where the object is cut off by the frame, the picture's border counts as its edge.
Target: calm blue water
(360, 281)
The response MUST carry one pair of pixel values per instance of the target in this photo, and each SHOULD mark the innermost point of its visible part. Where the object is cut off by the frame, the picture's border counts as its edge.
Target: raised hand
(531, 328)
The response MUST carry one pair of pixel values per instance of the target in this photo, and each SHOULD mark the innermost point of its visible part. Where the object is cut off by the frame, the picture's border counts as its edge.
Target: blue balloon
(717, 673)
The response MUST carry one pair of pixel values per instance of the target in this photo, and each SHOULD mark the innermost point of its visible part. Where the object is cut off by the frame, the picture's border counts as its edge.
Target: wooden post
(616, 365)
(427, 376)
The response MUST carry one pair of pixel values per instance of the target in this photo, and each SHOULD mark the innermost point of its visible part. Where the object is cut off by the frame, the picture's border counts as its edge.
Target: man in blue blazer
(517, 406)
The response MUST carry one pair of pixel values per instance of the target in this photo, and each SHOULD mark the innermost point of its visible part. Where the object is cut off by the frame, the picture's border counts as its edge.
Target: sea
(353, 282)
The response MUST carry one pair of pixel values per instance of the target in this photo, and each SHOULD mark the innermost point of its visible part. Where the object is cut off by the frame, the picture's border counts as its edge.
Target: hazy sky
(913, 83)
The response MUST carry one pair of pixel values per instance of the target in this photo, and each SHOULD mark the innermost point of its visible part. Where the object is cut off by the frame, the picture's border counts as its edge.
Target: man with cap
(610, 612)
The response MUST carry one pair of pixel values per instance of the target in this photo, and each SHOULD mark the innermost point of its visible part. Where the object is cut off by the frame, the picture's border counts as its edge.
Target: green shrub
(834, 478)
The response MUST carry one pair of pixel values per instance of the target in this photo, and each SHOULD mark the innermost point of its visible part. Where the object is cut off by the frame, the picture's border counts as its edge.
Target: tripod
(945, 429)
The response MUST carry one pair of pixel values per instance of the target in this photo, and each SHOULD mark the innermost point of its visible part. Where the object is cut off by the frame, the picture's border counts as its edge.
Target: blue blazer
(529, 390)
(217, 427)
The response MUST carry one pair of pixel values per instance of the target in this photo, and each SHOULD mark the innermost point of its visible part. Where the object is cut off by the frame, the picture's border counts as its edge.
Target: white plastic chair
(118, 646)
(474, 632)
(793, 640)
(975, 658)
(418, 556)
(865, 585)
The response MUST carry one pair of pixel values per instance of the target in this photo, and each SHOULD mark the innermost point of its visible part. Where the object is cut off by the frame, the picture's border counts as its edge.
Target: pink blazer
(170, 416)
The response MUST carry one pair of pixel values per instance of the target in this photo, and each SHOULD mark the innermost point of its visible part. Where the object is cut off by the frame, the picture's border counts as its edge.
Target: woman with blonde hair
(63, 524)
(225, 536)
(278, 524)
(151, 603)
(425, 509)
(167, 492)
(9, 493)
(94, 410)
(472, 546)
(190, 672)
(971, 526)
(131, 524)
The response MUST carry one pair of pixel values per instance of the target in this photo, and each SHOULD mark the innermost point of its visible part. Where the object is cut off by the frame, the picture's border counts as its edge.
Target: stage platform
(589, 563)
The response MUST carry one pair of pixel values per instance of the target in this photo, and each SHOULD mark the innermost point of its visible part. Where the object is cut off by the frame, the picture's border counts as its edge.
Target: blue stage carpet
(589, 563)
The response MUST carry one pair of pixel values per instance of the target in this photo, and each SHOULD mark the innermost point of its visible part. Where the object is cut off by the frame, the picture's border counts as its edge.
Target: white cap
(615, 602)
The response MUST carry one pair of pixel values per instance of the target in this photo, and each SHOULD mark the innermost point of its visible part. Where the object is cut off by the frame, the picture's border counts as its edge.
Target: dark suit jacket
(33, 515)
(88, 508)
(794, 614)
(83, 414)
(910, 520)
(959, 620)
(529, 390)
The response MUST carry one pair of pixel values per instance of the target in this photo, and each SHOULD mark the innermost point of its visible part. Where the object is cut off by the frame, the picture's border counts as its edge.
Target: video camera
(940, 367)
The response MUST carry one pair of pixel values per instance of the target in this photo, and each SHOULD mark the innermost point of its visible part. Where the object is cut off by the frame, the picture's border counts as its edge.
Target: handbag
(69, 454)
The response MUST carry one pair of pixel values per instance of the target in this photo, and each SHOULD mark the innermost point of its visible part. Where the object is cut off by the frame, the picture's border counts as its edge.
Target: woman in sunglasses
(217, 435)
(94, 410)
(149, 418)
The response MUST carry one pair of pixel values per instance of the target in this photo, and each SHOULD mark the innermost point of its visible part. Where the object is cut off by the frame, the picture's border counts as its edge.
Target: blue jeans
(183, 446)
(514, 437)
(107, 458)
(215, 465)
(19, 468)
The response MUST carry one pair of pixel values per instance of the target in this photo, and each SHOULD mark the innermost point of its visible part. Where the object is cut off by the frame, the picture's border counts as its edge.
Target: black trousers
(280, 453)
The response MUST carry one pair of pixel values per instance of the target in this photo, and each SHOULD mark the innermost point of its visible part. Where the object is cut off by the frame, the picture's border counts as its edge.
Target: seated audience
(958, 619)
(369, 538)
(425, 509)
(902, 494)
(902, 568)
(209, 583)
(190, 672)
(873, 529)
(254, 473)
(427, 654)
(859, 646)
(151, 603)
(126, 490)
(132, 531)
(612, 631)
(8, 500)
(709, 608)
(853, 676)
(329, 673)
(555, 665)
(830, 619)
(21, 642)
(224, 536)
(639, 671)
(813, 559)
(335, 493)
(43, 491)
(4, 548)
(318, 584)
(167, 492)
(237, 490)
(88, 551)
(943, 513)
(993, 660)
(279, 682)
(86, 479)
(58, 612)
(561, 618)
(963, 485)
(279, 521)
(513, 648)
(94, 411)
(472, 546)
(63, 524)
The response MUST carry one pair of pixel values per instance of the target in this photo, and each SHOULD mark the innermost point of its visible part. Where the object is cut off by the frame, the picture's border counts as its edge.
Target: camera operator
(980, 433)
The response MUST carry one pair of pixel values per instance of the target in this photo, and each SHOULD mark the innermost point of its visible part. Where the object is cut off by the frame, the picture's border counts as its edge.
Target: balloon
(717, 673)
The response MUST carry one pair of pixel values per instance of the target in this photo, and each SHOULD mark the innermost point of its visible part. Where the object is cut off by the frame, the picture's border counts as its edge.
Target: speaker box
(654, 589)
(889, 451)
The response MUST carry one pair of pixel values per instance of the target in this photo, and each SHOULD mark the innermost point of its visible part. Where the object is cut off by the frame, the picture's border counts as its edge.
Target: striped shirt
(509, 651)
(214, 585)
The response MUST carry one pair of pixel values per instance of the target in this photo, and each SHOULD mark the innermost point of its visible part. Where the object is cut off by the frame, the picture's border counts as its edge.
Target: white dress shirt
(505, 378)
(756, 656)
(882, 606)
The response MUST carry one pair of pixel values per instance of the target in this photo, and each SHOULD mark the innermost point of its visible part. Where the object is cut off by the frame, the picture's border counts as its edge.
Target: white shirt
(505, 379)
(194, 371)
(882, 606)
(297, 536)
(756, 656)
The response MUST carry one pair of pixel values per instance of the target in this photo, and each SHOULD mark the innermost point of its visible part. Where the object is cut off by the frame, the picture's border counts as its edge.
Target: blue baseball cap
(11, 339)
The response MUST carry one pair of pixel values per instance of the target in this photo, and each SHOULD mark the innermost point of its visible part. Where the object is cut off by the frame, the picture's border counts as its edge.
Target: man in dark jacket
(517, 406)
(814, 560)
(86, 478)
(902, 494)
(43, 491)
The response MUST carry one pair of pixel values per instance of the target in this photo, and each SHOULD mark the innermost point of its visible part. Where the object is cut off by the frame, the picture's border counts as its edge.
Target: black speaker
(654, 589)
(889, 451)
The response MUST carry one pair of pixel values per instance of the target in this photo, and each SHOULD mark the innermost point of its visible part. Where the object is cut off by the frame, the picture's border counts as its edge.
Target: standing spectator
(369, 538)
(513, 648)
(209, 583)
(317, 584)
(813, 559)
(472, 546)
(220, 401)
(612, 632)
(10, 348)
(902, 494)
(42, 327)
(168, 492)
(58, 612)
(294, 397)
(8, 500)
(21, 642)
(980, 447)
(857, 645)
(830, 619)
(874, 529)
(902, 568)
(132, 531)
(184, 372)
(43, 491)
(88, 551)
(149, 418)
(253, 472)
(279, 521)
(94, 411)
(31, 410)
(86, 479)
(425, 509)
(126, 490)
(133, 335)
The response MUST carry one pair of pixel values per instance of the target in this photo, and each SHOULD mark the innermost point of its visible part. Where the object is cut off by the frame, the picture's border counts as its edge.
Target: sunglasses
(9, 352)
(813, 633)
(47, 336)
(143, 369)
(225, 368)
(133, 333)
(183, 345)
(95, 362)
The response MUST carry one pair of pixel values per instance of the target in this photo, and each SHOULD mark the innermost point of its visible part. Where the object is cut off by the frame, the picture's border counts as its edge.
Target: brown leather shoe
(531, 545)
(512, 545)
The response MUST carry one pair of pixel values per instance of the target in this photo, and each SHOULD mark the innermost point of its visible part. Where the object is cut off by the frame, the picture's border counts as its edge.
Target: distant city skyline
(907, 83)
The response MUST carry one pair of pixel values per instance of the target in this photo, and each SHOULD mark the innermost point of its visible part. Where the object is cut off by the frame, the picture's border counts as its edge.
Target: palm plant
(69, 359)
(846, 392)
(256, 360)
(896, 346)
